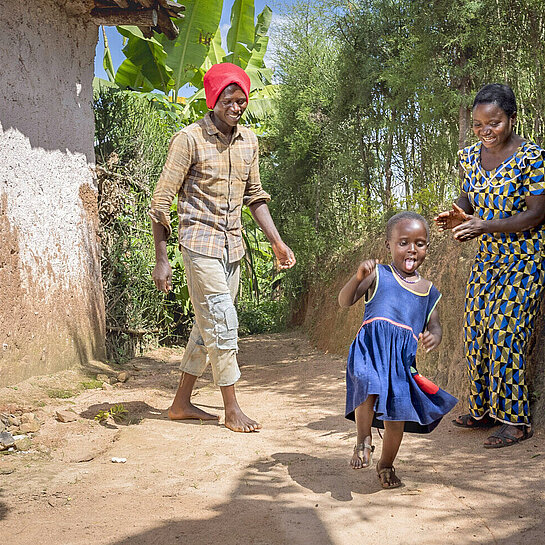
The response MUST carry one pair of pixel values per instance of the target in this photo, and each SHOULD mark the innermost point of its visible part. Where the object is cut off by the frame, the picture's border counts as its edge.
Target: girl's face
(408, 245)
(492, 126)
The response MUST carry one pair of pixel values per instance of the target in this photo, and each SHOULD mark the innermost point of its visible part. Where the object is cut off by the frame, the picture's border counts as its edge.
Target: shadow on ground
(258, 512)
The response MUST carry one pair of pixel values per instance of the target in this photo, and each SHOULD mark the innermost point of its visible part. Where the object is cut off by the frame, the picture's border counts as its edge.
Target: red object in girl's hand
(425, 384)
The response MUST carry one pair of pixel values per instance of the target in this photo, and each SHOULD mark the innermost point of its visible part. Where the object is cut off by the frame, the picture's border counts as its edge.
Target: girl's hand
(429, 340)
(470, 229)
(452, 218)
(366, 268)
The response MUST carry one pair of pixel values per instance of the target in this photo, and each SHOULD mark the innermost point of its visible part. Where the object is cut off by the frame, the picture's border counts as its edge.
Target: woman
(502, 202)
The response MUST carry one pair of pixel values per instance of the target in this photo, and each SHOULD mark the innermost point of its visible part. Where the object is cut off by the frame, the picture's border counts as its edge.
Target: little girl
(383, 388)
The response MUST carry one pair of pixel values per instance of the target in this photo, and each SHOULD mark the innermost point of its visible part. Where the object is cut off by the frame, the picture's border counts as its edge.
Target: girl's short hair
(402, 216)
(497, 93)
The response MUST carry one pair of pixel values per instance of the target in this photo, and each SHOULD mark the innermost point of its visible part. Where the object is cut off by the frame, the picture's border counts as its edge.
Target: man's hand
(162, 276)
(284, 255)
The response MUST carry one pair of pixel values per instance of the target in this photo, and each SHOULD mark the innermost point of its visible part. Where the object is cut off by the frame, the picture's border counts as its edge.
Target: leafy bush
(131, 141)
(264, 317)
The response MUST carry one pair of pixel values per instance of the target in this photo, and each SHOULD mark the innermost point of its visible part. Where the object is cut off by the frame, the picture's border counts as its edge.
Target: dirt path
(290, 484)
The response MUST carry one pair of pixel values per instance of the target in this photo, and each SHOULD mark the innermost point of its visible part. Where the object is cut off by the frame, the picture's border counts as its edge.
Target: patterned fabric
(505, 284)
(382, 357)
(213, 178)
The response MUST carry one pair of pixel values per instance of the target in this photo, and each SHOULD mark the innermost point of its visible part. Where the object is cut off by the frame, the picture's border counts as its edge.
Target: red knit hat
(219, 76)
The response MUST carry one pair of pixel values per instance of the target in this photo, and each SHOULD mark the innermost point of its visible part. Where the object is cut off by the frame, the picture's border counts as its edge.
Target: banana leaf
(145, 64)
(197, 30)
(240, 37)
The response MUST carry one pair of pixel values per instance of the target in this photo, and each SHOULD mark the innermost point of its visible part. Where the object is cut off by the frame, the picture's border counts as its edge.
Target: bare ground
(201, 484)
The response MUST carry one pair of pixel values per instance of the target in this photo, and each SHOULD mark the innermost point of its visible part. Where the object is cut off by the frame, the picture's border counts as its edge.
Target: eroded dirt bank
(290, 484)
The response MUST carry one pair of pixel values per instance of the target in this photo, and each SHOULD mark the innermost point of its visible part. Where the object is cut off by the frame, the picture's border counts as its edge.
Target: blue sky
(115, 39)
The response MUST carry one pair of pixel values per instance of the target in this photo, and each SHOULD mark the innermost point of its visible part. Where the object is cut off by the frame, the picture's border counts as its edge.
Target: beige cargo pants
(213, 285)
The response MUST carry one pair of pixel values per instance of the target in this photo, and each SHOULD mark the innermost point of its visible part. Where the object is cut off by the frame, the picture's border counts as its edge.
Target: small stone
(103, 378)
(6, 470)
(14, 420)
(28, 417)
(30, 427)
(24, 443)
(117, 460)
(123, 376)
(2, 426)
(66, 416)
(6, 440)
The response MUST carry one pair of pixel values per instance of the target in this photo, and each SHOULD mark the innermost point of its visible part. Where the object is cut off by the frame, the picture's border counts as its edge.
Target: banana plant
(247, 50)
(157, 63)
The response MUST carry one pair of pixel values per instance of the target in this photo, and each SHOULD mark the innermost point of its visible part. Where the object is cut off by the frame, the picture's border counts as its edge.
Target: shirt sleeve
(177, 165)
(254, 192)
(533, 175)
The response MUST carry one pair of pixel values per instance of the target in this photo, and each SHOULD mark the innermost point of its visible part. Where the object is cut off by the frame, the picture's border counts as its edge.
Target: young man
(213, 168)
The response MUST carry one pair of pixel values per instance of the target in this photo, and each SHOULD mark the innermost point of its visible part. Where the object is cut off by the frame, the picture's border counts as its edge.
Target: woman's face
(492, 126)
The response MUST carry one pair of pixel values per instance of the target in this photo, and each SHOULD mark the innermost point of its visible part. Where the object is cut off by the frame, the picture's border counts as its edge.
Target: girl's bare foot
(363, 453)
(236, 420)
(190, 412)
(388, 477)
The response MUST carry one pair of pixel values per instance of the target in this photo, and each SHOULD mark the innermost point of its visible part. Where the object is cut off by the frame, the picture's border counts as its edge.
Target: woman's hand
(366, 268)
(452, 218)
(429, 340)
(469, 230)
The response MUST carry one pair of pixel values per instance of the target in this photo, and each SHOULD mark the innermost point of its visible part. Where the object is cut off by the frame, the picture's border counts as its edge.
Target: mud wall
(51, 305)
(448, 264)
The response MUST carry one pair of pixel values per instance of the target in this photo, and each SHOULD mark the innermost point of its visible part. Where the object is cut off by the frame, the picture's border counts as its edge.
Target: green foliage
(91, 384)
(268, 316)
(145, 67)
(117, 412)
(165, 65)
(60, 393)
(131, 141)
(373, 103)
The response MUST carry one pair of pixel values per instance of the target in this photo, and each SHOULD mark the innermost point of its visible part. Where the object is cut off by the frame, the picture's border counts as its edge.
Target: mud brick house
(51, 303)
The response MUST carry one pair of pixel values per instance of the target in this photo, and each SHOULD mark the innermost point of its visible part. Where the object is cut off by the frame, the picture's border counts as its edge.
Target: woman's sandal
(469, 422)
(506, 439)
(361, 448)
(388, 477)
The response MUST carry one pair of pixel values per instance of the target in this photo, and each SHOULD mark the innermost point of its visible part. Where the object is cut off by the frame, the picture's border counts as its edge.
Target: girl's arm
(432, 335)
(354, 289)
(530, 218)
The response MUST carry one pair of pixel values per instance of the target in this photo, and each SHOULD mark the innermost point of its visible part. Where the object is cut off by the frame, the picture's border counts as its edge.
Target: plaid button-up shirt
(213, 178)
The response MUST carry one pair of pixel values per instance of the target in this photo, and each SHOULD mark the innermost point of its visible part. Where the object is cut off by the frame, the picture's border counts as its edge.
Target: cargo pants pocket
(224, 316)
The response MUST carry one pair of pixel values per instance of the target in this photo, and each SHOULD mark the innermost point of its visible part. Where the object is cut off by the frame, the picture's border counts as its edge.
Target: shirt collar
(212, 129)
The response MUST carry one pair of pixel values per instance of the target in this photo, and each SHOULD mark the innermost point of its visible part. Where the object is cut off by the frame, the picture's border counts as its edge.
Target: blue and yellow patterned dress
(505, 284)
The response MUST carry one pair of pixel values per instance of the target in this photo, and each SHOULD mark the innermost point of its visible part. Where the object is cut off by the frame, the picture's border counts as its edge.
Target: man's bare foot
(362, 454)
(190, 412)
(236, 420)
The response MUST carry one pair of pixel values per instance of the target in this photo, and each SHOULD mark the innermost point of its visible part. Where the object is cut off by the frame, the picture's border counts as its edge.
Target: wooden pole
(118, 16)
(147, 31)
(166, 26)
